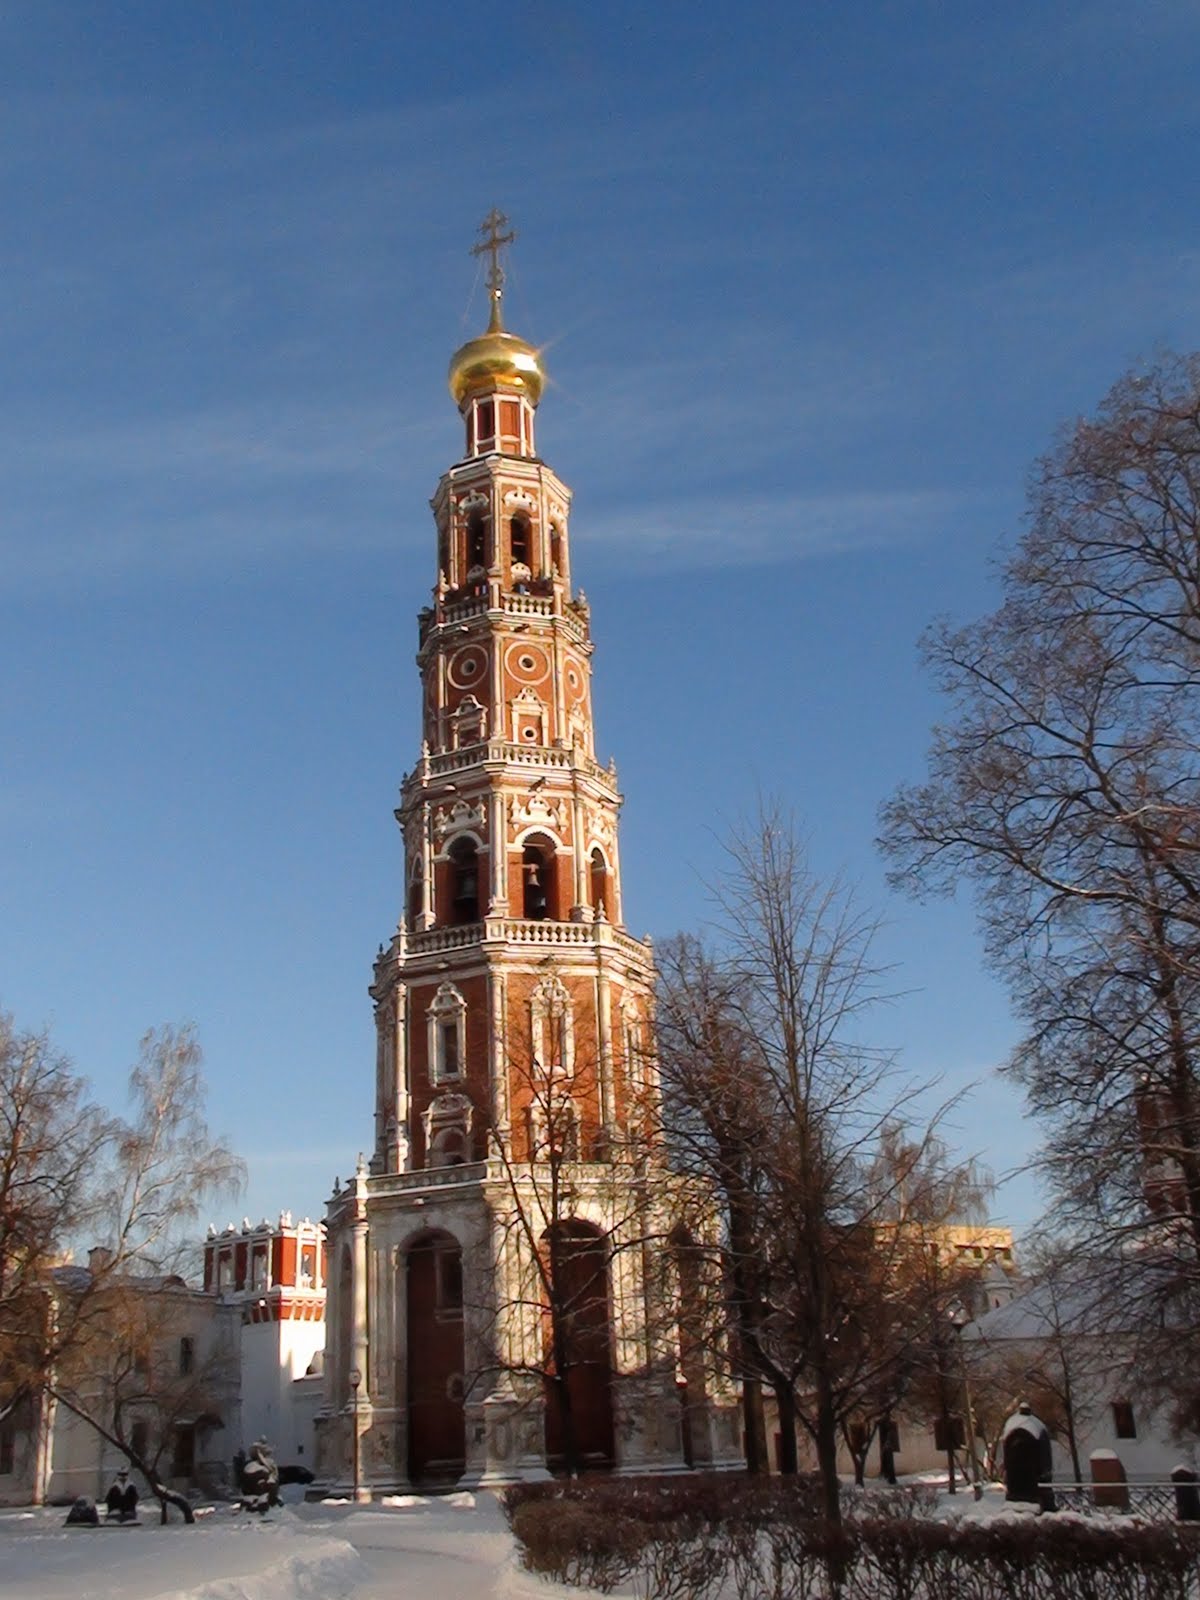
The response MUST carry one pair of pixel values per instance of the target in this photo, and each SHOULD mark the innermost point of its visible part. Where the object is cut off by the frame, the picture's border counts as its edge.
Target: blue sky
(817, 283)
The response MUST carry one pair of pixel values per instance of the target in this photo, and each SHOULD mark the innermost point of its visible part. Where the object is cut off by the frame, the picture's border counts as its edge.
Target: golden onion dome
(496, 359)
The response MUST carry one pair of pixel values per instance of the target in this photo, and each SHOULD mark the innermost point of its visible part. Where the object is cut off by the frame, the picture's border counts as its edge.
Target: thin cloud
(734, 530)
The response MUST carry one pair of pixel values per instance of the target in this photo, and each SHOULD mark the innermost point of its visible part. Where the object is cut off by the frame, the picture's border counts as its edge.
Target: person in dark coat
(122, 1498)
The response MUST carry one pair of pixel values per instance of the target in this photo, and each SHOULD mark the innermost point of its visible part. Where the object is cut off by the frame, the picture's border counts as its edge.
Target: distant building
(1079, 1324)
(211, 1369)
(170, 1351)
(273, 1276)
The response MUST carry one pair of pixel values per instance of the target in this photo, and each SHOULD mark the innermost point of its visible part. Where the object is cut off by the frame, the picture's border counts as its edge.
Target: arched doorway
(577, 1325)
(437, 1439)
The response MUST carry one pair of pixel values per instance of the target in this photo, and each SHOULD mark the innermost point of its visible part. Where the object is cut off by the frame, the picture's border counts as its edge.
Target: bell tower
(513, 1013)
(512, 876)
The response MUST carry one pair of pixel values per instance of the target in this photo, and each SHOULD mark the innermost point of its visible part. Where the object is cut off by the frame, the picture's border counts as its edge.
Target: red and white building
(511, 978)
(272, 1277)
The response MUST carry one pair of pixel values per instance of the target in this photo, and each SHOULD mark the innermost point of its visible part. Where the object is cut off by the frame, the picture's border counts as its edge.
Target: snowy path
(419, 1551)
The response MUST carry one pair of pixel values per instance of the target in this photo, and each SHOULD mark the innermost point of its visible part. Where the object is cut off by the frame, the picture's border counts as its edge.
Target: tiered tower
(513, 1009)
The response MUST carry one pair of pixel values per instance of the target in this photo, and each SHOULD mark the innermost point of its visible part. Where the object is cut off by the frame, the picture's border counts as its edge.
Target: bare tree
(1066, 784)
(773, 1095)
(131, 1187)
(716, 1112)
(151, 1379)
(52, 1142)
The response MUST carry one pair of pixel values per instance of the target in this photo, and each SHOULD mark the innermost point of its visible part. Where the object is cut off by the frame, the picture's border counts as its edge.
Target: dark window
(139, 1437)
(518, 530)
(556, 549)
(8, 1445)
(476, 540)
(486, 420)
(414, 902)
(450, 1067)
(449, 1282)
(449, 1148)
(187, 1356)
(1123, 1419)
(891, 1437)
(183, 1461)
(464, 888)
(948, 1433)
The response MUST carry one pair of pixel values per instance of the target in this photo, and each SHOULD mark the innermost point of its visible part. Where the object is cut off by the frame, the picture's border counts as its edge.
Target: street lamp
(355, 1380)
(959, 1317)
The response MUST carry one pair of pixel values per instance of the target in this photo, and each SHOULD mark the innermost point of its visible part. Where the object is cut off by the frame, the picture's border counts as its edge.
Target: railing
(527, 605)
(447, 761)
(429, 1178)
(556, 933)
(1153, 1499)
(516, 930)
(520, 605)
(431, 940)
(460, 610)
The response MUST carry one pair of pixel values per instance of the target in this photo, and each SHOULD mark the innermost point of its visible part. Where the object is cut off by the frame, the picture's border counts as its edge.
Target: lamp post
(355, 1380)
(959, 1317)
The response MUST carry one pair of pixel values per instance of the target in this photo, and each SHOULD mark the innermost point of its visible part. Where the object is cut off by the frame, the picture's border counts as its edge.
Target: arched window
(476, 540)
(485, 424)
(552, 1030)
(464, 882)
(447, 1019)
(556, 549)
(598, 872)
(449, 1148)
(538, 872)
(519, 541)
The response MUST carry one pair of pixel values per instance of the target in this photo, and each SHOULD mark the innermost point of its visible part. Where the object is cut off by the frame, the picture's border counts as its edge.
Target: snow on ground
(407, 1547)
(411, 1551)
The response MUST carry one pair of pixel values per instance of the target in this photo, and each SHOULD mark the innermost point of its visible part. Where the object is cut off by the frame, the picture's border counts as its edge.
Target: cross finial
(492, 240)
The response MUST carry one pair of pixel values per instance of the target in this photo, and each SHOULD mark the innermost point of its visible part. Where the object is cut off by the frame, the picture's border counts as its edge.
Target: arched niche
(600, 885)
(463, 880)
(539, 879)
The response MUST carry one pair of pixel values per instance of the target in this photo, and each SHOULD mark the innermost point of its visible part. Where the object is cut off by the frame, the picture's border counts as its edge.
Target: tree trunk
(826, 1442)
(887, 1456)
(165, 1497)
(785, 1401)
(755, 1426)
(168, 1497)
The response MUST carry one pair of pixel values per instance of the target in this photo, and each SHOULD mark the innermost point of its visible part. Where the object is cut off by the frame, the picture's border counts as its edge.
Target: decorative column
(580, 911)
(498, 839)
(360, 1397)
(604, 1030)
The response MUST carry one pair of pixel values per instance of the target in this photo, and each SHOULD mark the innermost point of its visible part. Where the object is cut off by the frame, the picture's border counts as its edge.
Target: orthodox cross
(491, 243)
